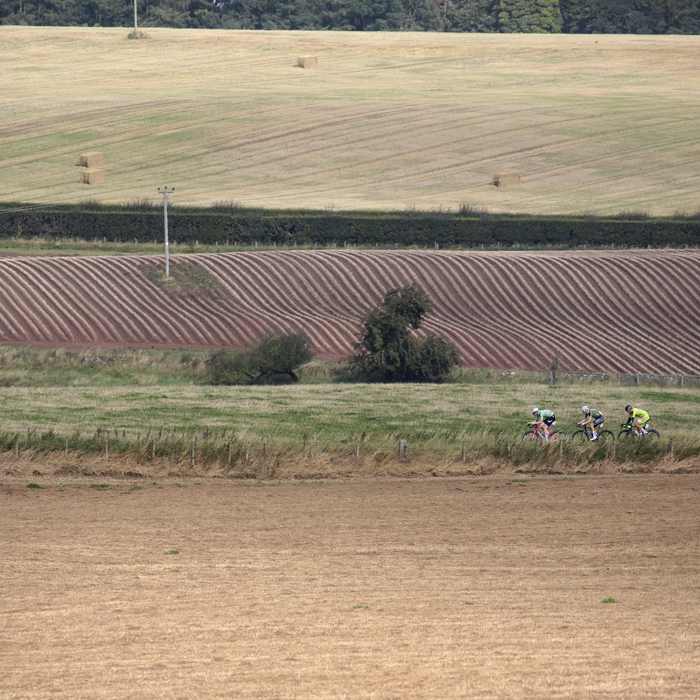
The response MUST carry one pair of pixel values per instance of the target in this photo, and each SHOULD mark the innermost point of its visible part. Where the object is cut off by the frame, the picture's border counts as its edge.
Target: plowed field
(487, 588)
(632, 311)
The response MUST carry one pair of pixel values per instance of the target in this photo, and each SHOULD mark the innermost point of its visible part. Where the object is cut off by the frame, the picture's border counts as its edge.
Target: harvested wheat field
(388, 120)
(502, 310)
(539, 587)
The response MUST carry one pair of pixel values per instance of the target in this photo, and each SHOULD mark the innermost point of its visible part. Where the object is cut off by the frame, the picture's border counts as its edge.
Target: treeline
(239, 226)
(568, 16)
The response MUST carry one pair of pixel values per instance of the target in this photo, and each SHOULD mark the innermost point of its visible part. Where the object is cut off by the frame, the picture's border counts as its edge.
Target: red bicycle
(533, 434)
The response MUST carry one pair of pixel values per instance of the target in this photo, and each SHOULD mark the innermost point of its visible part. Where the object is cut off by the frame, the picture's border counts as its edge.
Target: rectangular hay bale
(92, 176)
(307, 62)
(91, 160)
(504, 179)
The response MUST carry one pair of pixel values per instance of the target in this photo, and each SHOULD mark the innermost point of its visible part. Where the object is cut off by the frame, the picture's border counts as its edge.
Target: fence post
(357, 451)
(464, 451)
(16, 448)
(192, 452)
(153, 454)
(403, 448)
(106, 450)
(65, 450)
(670, 447)
(229, 448)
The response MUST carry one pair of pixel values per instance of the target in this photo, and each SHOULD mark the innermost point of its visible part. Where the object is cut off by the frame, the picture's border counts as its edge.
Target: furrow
(264, 296)
(37, 277)
(275, 299)
(98, 302)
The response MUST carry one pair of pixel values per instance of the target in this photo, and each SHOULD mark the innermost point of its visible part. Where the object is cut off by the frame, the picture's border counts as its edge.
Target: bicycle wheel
(652, 435)
(559, 436)
(605, 436)
(625, 435)
(528, 436)
(580, 436)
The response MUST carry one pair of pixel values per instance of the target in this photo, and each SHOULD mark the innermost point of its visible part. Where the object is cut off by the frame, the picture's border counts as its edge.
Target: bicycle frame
(586, 429)
(536, 429)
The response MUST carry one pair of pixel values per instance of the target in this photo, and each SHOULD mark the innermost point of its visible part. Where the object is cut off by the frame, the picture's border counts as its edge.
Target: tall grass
(58, 367)
(447, 427)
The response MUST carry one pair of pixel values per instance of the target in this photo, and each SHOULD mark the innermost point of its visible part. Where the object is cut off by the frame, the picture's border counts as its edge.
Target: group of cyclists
(545, 419)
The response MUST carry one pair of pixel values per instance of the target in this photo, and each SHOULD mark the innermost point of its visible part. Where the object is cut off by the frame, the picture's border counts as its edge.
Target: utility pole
(136, 23)
(165, 191)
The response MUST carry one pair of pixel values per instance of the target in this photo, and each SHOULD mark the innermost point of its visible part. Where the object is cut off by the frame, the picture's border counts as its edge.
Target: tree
(388, 351)
(537, 16)
(273, 355)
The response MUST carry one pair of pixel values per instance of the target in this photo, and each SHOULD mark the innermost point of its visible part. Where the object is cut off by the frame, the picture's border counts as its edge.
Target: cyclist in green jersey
(640, 419)
(593, 418)
(544, 420)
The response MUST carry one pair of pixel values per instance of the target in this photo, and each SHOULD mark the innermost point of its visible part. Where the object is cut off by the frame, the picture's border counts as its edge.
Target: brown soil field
(388, 120)
(449, 588)
(501, 309)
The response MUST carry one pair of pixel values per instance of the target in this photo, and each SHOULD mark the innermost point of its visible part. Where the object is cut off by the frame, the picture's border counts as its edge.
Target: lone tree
(273, 355)
(388, 351)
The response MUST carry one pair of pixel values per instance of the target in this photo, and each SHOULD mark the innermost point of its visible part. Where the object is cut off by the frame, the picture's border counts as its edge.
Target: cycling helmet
(584, 409)
(627, 407)
(535, 410)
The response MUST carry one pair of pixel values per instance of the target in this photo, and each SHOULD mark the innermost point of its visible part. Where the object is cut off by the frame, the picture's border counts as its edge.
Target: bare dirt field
(450, 588)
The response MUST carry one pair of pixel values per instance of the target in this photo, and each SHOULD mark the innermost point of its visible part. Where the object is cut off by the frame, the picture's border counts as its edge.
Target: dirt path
(365, 589)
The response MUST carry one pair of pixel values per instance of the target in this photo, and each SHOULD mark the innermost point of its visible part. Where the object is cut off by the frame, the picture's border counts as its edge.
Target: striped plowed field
(627, 311)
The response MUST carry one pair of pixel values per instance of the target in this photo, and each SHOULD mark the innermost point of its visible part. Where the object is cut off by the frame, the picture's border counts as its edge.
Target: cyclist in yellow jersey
(640, 418)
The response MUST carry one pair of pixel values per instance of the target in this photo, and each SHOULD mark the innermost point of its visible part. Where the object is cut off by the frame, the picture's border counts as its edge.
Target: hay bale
(92, 176)
(505, 179)
(307, 62)
(91, 160)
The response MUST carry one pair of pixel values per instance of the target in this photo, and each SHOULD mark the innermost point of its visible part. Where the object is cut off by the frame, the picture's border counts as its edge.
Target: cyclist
(640, 419)
(544, 420)
(593, 418)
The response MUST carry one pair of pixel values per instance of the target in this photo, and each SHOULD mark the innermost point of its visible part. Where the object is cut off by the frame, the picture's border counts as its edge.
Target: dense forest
(567, 16)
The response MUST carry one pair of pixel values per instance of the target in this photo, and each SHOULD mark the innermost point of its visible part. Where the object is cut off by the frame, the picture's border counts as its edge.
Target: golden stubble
(593, 124)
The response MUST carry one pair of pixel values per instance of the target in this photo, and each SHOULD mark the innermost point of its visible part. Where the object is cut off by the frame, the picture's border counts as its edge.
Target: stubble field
(593, 124)
(489, 588)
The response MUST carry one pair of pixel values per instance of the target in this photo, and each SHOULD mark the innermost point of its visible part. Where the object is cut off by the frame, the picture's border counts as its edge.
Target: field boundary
(288, 228)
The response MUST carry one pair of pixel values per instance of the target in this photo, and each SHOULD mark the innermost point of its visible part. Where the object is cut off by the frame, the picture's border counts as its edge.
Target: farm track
(502, 310)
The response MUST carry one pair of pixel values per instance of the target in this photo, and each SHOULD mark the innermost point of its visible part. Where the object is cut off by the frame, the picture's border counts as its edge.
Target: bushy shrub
(278, 354)
(227, 367)
(274, 356)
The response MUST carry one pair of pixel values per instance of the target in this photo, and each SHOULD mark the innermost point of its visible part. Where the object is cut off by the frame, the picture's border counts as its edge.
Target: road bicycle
(585, 434)
(628, 433)
(533, 434)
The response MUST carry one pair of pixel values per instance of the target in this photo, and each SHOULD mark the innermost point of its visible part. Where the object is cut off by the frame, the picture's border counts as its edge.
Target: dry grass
(461, 588)
(274, 463)
(593, 124)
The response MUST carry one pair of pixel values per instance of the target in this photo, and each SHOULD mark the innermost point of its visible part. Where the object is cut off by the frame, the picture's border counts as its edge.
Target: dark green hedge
(245, 227)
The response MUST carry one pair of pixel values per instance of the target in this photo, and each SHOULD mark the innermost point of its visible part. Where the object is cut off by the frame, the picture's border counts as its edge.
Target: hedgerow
(240, 226)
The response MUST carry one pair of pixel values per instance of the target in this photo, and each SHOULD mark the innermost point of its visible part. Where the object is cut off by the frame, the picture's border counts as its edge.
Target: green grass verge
(435, 420)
